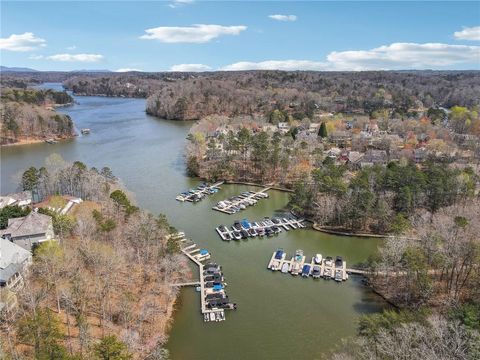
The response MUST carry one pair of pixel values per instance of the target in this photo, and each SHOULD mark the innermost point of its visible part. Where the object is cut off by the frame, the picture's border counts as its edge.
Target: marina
(318, 267)
(190, 336)
(211, 285)
(199, 193)
(267, 227)
(240, 202)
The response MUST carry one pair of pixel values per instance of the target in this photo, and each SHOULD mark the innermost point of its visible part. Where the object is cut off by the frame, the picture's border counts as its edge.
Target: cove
(278, 316)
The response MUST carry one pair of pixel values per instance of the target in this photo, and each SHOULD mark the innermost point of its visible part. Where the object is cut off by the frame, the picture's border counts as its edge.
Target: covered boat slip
(195, 195)
(213, 298)
(297, 265)
(244, 229)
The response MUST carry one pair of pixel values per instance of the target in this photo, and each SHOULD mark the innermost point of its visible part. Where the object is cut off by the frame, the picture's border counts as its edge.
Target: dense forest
(434, 281)
(188, 96)
(102, 289)
(380, 199)
(28, 114)
(302, 93)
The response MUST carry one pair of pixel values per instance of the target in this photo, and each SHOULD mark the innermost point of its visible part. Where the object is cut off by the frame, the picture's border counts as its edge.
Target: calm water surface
(279, 316)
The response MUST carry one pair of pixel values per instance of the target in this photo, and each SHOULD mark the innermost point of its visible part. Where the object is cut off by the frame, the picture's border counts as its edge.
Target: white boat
(295, 269)
(285, 267)
(318, 259)
(328, 261)
(338, 275)
(212, 316)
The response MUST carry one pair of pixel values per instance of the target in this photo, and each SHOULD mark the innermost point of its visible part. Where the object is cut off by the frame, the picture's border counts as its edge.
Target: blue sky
(159, 36)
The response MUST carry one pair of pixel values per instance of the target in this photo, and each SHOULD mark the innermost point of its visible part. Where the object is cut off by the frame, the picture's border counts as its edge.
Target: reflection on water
(279, 316)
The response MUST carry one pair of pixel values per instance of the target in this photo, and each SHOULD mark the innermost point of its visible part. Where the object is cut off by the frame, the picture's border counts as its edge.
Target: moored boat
(306, 270)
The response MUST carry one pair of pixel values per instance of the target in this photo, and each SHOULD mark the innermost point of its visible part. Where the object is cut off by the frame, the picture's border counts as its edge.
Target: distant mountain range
(23, 69)
(16, 69)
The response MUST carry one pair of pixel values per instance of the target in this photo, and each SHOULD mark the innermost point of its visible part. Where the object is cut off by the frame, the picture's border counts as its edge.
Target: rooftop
(12, 258)
(33, 223)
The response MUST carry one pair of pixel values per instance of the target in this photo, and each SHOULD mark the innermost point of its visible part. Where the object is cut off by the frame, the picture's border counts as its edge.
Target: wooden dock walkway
(190, 250)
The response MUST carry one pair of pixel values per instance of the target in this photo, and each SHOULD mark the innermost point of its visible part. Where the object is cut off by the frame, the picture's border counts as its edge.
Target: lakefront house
(29, 230)
(21, 199)
(14, 261)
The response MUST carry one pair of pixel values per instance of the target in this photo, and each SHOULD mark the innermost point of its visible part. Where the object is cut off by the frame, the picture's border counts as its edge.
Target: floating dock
(267, 227)
(195, 195)
(328, 268)
(213, 298)
(240, 202)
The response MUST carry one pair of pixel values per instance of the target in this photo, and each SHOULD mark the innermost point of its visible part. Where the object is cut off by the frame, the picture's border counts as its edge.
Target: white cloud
(404, 56)
(468, 33)
(286, 65)
(35, 57)
(396, 56)
(127, 70)
(279, 17)
(177, 3)
(198, 33)
(73, 47)
(22, 42)
(190, 67)
(75, 57)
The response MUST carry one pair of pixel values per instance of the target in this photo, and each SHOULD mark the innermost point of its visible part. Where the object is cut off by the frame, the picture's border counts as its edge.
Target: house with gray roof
(374, 157)
(13, 262)
(29, 230)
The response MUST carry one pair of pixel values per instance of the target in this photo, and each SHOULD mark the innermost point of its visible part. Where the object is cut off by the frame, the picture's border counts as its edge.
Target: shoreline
(315, 226)
(35, 141)
(24, 142)
(31, 141)
(332, 231)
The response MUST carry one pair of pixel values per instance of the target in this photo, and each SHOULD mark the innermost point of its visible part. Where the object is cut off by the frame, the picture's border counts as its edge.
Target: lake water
(278, 316)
